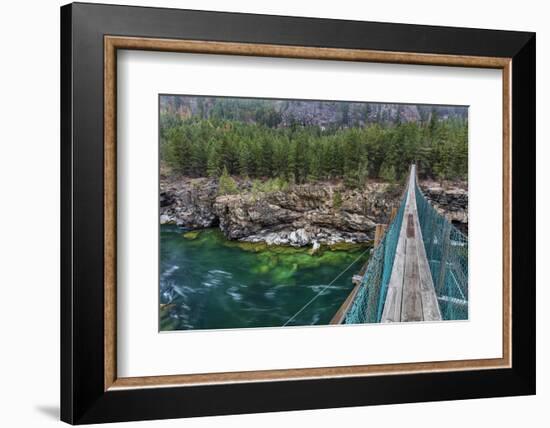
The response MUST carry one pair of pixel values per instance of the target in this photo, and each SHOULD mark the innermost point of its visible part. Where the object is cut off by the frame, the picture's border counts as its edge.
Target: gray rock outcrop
(450, 200)
(311, 214)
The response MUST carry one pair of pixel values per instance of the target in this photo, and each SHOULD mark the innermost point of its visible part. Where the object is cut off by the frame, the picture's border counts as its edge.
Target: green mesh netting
(447, 252)
(368, 304)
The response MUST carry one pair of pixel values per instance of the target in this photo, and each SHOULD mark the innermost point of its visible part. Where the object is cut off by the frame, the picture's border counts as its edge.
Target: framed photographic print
(264, 213)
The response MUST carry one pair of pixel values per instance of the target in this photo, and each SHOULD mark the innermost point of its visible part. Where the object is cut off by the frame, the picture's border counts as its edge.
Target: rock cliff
(302, 215)
(449, 199)
(318, 113)
(306, 214)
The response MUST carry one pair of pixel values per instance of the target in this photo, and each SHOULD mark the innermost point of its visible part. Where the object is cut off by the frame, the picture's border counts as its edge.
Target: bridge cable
(325, 288)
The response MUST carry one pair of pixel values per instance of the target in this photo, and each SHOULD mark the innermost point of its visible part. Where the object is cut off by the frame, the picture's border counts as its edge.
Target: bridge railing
(368, 304)
(447, 253)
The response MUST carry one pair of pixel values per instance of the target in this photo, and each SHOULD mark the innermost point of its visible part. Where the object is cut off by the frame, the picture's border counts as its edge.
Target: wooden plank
(410, 226)
(411, 295)
(412, 299)
(392, 304)
(340, 315)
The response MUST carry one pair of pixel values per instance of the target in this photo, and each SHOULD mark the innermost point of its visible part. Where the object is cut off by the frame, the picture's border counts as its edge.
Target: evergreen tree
(266, 160)
(214, 161)
(226, 185)
(387, 173)
(352, 154)
(363, 172)
(300, 159)
(245, 159)
(204, 147)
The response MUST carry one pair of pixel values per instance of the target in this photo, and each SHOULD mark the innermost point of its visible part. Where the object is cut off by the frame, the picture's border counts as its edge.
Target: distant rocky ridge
(314, 113)
(310, 214)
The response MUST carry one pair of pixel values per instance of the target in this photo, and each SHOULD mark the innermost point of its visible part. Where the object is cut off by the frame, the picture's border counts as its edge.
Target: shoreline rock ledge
(302, 215)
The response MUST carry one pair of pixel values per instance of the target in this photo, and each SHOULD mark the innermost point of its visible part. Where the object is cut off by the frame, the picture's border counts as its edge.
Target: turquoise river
(209, 282)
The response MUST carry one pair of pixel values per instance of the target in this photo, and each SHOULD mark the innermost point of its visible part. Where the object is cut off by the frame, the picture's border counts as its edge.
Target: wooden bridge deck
(411, 294)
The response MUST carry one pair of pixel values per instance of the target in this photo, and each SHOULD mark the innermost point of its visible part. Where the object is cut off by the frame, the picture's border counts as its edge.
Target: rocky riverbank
(449, 199)
(302, 215)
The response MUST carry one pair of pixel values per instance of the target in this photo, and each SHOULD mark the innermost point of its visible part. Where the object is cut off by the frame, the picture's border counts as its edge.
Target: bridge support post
(379, 234)
(392, 214)
(444, 255)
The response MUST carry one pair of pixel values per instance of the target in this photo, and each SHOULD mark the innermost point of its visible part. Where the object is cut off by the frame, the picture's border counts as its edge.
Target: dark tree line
(206, 147)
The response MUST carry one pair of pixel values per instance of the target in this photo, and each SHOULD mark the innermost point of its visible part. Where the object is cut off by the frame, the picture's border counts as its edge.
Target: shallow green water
(208, 282)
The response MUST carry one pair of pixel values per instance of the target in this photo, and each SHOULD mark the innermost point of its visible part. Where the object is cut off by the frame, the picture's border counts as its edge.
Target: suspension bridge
(418, 271)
